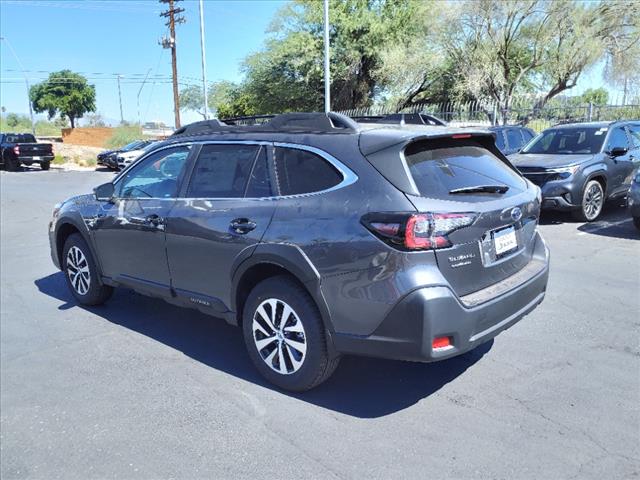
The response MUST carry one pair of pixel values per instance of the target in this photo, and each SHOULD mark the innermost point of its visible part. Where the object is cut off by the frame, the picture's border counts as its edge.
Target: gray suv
(319, 237)
(579, 166)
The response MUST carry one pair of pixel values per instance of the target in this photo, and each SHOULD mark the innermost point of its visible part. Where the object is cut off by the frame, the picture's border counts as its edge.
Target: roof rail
(314, 122)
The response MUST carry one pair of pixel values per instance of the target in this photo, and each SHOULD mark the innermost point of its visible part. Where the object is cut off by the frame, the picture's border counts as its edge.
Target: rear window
(438, 170)
(22, 138)
(299, 171)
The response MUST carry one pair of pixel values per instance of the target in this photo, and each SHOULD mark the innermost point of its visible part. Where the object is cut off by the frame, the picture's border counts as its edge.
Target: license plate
(36, 158)
(505, 240)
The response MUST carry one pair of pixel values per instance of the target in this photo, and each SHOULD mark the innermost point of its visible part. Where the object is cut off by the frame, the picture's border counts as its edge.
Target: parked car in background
(109, 157)
(22, 149)
(124, 158)
(319, 237)
(511, 138)
(633, 200)
(579, 166)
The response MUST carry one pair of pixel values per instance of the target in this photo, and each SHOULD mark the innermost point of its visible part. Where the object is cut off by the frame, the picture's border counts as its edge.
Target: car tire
(45, 165)
(636, 222)
(292, 355)
(592, 202)
(81, 272)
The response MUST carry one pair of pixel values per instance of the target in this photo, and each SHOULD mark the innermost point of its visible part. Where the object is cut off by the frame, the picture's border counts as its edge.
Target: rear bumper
(408, 330)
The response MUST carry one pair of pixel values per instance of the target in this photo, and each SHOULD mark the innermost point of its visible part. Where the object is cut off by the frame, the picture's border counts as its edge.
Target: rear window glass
(438, 171)
(514, 138)
(22, 138)
(299, 171)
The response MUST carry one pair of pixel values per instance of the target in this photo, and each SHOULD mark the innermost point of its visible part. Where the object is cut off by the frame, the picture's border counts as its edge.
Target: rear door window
(439, 168)
(299, 171)
(222, 171)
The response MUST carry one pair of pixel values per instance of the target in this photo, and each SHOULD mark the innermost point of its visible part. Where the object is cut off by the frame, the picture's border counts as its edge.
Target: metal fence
(474, 113)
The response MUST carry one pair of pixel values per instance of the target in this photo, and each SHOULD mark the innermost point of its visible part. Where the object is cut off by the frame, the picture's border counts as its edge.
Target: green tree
(66, 93)
(191, 98)
(597, 96)
(13, 120)
(287, 74)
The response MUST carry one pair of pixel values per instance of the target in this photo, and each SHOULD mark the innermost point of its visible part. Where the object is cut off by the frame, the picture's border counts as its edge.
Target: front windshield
(568, 141)
(131, 146)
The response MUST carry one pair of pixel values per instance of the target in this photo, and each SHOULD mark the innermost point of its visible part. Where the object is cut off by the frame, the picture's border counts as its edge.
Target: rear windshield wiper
(480, 189)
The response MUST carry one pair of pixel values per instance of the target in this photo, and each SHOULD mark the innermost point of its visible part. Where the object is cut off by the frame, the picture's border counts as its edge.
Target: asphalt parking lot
(141, 389)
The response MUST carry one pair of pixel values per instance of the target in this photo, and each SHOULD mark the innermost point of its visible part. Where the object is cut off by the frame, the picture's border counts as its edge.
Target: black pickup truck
(22, 148)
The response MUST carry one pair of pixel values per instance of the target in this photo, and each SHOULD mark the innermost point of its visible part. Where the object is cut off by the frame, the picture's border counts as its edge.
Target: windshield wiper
(480, 189)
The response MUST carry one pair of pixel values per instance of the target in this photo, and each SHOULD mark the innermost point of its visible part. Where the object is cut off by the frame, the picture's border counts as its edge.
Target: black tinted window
(259, 181)
(22, 138)
(222, 171)
(514, 138)
(617, 139)
(299, 171)
(438, 171)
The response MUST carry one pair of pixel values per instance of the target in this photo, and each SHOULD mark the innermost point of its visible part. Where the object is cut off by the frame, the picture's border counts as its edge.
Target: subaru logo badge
(516, 214)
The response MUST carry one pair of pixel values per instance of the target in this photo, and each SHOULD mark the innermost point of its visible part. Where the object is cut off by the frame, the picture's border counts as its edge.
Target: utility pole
(204, 61)
(327, 73)
(120, 98)
(173, 15)
(26, 81)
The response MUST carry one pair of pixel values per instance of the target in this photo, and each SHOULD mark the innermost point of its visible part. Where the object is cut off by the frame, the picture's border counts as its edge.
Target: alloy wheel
(593, 200)
(78, 270)
(279, 336)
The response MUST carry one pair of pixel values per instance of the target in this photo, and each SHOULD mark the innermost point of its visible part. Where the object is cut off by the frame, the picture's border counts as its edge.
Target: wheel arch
(272, 260)
(65, 228)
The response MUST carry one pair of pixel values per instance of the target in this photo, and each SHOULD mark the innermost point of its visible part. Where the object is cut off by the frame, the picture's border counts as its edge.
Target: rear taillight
(16, 150)
(421, 231)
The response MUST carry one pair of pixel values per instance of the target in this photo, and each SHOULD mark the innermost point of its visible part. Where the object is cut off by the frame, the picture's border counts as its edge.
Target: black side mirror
(618, 151)
(104, 192)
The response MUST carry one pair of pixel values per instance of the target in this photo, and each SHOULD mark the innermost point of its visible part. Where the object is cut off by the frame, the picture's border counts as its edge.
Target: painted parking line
(602, 226)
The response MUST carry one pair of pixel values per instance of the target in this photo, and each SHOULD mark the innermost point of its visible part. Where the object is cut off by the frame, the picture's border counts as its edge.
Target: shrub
(123, 135)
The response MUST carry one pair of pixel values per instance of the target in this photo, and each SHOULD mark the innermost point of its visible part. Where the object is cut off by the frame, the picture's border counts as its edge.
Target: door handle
(242, 225)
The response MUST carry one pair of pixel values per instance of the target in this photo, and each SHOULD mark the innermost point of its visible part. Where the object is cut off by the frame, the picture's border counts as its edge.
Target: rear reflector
(440, 342)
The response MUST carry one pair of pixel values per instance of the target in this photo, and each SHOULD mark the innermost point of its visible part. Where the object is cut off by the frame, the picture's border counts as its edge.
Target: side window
(157, 176)
(617, 138)
(527, 135)
(634, 130)
(222, 171)
(300, 171)
(514, 139)
(500, 140)
(259, 181)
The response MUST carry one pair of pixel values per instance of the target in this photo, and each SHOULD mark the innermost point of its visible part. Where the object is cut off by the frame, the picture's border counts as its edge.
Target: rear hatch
(486, 209)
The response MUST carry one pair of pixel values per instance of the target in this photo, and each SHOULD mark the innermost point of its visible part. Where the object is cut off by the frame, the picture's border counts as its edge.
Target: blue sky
(101, 38)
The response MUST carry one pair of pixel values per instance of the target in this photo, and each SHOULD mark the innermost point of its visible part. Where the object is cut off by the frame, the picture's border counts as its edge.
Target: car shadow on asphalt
(360, 387)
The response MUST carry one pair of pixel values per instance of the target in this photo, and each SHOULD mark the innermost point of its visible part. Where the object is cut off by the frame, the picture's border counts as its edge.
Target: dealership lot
(141, 389)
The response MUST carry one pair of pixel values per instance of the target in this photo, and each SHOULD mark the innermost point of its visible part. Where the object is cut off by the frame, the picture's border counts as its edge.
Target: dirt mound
(90, 136)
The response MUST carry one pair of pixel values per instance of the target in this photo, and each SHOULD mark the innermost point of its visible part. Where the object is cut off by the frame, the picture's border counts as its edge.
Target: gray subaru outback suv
(319, 237)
